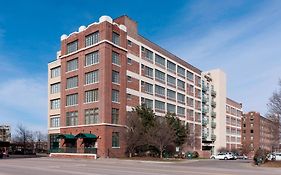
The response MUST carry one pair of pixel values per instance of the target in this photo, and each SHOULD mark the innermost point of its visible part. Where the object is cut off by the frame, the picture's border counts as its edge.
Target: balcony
(213, 103)
(204, 88)
(205, 122)
(213, 137)
(213, 124)
(204, 136)
(213, 114)
(204, 100)
(213, 93)
(205, 110)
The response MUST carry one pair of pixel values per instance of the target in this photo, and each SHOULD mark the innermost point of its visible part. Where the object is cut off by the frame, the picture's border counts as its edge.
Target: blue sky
(242, 37)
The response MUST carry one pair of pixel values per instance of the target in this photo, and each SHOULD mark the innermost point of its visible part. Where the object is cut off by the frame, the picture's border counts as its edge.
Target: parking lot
(47, 166)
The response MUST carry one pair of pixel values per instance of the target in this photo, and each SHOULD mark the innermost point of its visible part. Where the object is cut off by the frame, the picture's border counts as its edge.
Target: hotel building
(107, 68)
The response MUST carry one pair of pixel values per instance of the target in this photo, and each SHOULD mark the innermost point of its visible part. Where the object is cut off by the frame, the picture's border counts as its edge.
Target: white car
(274, 156)
(223, 156)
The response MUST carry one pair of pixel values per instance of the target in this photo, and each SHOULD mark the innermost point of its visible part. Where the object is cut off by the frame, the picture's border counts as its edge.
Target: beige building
(5, 133)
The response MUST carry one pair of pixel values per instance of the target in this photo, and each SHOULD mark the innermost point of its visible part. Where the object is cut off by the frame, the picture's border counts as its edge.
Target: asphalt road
(49, 166)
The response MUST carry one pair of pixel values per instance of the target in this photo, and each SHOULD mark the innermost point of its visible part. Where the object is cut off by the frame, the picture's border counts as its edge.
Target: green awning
(86, 136)
(65, 136)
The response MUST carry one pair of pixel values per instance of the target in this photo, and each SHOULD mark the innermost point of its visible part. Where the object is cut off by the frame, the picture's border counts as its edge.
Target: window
(171, 80)
(181, 98)
(92, 77)
(55, 104)
(115, 38)
(159, 105)
(115, 77)
(115, 58)
(147, 54)
(91, 116)
(159, 90)
(180, 111)
(114, 116)
(71, 99)
(72, 118)
(190, 112)
(129, 60)
(55, 88)
(115, 95)
(160, 60)
(55, 121)
(181, 84)
(115, 140)
(92, 39)
(147, 102)
(148, 72)
(171, 108)
(252, 131)
(129, 78)
(181, 71)
(129, 43)
(148, 88)
(189, 75)
(72, 65)
(72, 82)
(171, 66)
(190, 102)
(92, 58)
(91, 96)
(72, 47)
(55, 72)
(171, 94)
(159, 75)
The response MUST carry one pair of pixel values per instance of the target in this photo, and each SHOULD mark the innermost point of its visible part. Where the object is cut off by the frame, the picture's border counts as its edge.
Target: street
(47, 166)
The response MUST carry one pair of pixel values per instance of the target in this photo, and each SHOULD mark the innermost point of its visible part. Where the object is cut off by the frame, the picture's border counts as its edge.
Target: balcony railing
(74, 150)
(205, 110)
(213, 103)
(213, 137)
(204, 100)
(214, 114)
(204, 88)
(204, 136)
(205, 122)
(213, 93)
(213, 124)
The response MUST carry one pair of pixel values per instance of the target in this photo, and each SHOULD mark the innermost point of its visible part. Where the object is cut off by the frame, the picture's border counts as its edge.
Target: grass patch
(275, 164)
(153, 159)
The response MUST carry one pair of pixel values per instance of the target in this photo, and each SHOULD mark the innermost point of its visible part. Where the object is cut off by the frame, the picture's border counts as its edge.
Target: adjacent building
(258, 132)
(107, 68)
(5, 133)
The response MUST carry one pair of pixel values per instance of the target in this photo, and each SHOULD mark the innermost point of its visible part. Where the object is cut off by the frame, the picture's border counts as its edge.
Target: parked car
(244, 157)
(223, 156)
(274, 156)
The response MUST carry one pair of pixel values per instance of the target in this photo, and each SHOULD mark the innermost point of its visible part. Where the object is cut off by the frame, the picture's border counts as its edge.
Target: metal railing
(74, 150)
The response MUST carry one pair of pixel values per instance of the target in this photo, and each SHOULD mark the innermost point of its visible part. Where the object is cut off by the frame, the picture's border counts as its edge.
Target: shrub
(195, 154)
(260, 156)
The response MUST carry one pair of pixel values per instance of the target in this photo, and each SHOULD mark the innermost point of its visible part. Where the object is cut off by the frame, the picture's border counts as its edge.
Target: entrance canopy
(86, 136)
(65, 136)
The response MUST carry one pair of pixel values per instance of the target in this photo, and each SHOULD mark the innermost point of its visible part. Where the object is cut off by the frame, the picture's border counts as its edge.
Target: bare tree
(39, 139)
(161, 135)
(23, 136)
(246, 148)
(274, 113)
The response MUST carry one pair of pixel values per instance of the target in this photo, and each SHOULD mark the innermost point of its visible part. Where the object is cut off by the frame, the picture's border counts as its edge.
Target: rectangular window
(129, 60)
(181, 71)
(159, 105)
(72, 47)
(91, 116)
(72, 82)
(160, 60)
(92, 39)
(181, 111)
(72, 100)
(55, 72)
(91, 96)
(159, 75)
(189, 75)
(181, 98)
(115, 58)
(171, 94)
(55, 104)
(115, 95)
(148, 71)
(114, 116)
(190, 102)
(129, 43)
(115, 77)
(115, 38)
(129, 78)
(72, 65)
(171, 66)
(92, 58)
(148, 54)
(171, 108)
(159, 90)
(147, 102)
(72, 118)
(55, 121)
(115, 140)
(92, 77)
(181, 84)
(171, 80)
(148, 88)
(55, 88)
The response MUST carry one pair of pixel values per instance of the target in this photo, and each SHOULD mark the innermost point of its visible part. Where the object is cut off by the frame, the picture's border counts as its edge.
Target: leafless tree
(246, 148)
(161, 135)
(274, 113)
(23, 136)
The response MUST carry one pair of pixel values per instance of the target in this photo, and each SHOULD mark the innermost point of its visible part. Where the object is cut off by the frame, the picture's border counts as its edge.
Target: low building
(5, 133)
